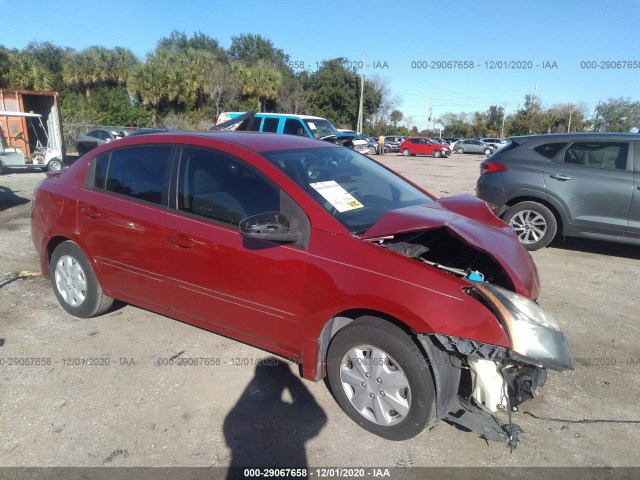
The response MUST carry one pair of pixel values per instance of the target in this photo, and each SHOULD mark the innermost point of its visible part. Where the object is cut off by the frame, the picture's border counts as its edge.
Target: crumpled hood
(469, 219)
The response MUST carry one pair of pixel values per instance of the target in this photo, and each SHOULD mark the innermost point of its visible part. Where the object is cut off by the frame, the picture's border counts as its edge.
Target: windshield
(353, 188)
(321, 128)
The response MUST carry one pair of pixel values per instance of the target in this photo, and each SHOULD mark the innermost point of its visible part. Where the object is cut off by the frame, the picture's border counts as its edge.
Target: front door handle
(180, 240)
(559, 176)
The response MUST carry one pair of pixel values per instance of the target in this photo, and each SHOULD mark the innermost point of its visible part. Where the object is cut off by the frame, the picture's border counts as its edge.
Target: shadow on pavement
(274, 418)
(9, 199)
(597, 246)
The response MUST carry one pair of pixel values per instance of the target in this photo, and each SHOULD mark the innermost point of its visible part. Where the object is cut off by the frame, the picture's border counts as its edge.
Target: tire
(372, 150)
(54, 164)
(405, 372)
(406, 152)
(437, 153)
(81, 149)
(534, 223)
(460, 150)
(487, 151)
(75, 284)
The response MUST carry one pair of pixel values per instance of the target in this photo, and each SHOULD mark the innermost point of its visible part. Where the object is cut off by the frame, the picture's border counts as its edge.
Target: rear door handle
(90, 212)
(559, 176)
(180, 240)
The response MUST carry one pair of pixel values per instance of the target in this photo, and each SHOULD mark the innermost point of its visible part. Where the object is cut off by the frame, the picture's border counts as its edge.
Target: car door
(593, 182)
(246, 288)
(633, 225)
(121, 217)
(428, 147)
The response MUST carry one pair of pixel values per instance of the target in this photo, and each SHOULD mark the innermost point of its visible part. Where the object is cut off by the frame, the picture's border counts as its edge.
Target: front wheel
(75, 284)
(460, 150)
(372, 150)
(534, 224)
(406, 152)
(487, 151)
(437, 154)
(54, 164)
(381, 379)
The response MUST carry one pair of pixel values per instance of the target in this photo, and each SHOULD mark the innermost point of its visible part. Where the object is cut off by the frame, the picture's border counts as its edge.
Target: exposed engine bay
(441, 249)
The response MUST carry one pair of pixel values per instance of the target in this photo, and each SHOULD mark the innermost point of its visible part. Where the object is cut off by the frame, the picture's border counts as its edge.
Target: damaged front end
(499, 379)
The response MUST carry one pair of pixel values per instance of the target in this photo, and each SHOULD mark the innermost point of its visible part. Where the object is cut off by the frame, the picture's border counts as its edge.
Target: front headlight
(535, 335)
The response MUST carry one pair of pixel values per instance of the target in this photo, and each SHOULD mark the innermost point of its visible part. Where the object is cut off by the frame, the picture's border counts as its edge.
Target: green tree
(528, 120)
(617, 115)
(261, 82)
(97, 67)
(335, 93)
(250, 49)
(493, 121)
(455, 124)
(179, 42)
(395, 117)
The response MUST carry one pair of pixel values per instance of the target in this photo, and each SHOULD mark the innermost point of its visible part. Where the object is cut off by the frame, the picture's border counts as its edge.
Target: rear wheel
(534, 224)
(406, 152)
(487, 151)
(381, 379)
(75, 284)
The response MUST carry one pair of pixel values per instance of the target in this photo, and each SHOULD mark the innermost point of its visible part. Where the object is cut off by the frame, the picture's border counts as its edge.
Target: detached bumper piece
(491, 382)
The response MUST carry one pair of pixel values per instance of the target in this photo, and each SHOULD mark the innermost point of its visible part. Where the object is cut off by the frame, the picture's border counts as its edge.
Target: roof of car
(568, 136)
(254, 140)
(288, 115)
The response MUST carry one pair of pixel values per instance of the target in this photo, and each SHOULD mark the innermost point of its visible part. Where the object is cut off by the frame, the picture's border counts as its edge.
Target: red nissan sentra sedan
(311, 251)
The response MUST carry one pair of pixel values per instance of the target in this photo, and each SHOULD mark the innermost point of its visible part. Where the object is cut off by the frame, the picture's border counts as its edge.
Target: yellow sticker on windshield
(337, 196)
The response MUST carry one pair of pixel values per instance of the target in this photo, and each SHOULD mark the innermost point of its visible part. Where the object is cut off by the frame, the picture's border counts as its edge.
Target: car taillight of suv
(491, 167)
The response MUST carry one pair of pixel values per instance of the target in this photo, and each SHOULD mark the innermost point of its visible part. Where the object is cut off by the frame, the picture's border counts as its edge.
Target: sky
(406, 43)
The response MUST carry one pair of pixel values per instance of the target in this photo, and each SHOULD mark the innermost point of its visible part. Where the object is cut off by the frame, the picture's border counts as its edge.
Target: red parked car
(423, 146)
(311, 251)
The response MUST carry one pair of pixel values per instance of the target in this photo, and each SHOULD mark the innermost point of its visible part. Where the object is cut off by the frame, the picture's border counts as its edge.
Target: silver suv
(580, 184)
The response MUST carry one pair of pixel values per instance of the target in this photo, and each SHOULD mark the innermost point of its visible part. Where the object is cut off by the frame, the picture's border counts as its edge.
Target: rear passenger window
(135, 172)
(270, 125)
(214, 186)
(610, 155)
(102, 163)
(255, 126)
(549, 150)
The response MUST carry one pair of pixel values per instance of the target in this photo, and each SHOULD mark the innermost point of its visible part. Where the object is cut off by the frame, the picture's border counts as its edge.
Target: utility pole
(504, 114)
(535, 90)
(570, 112)
(361, 106)
(429, 118)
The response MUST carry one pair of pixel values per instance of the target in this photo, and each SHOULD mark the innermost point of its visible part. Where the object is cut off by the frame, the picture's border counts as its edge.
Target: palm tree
(262, 81)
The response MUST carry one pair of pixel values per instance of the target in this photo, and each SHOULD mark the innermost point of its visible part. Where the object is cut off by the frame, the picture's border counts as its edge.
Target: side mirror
(272, 226)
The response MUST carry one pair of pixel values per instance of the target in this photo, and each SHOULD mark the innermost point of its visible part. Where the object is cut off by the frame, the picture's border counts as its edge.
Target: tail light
(492, 167)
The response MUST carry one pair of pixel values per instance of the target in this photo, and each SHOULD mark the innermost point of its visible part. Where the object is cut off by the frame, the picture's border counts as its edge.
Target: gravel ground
(130, 411)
